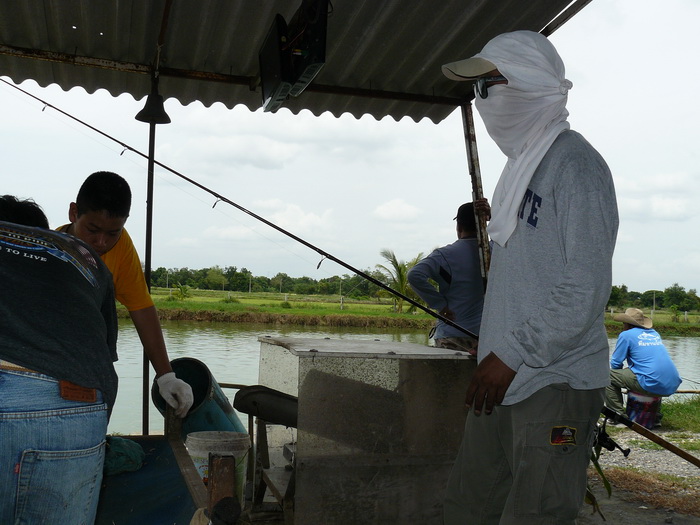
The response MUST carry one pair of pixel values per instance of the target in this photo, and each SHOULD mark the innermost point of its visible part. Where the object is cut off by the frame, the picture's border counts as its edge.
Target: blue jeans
(51, 452)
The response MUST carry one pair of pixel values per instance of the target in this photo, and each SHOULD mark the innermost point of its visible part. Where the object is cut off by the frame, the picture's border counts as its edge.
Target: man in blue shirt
(651, 370)
(459, 295)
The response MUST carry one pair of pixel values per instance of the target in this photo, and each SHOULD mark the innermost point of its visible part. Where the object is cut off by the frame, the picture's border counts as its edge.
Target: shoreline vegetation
(183, 304)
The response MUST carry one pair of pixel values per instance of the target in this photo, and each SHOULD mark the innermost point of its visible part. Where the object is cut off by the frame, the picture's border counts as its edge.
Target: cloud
(228, 233)
(184, 242)
(655, 182)
(221, 154)
(670, 208)
(652, 208)
(238, 137)
(396, 210)
(293, 217)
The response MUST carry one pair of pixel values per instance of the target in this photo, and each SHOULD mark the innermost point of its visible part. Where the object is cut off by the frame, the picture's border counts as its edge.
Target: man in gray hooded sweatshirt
(537, 392)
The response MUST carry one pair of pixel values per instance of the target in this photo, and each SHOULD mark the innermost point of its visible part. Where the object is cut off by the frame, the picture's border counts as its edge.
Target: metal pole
(477, 189)
(147, 270)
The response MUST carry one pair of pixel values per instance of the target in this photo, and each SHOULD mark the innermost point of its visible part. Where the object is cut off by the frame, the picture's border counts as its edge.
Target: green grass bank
(318, 310)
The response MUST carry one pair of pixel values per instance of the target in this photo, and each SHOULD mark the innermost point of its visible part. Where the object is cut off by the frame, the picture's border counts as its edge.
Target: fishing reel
(602, 439)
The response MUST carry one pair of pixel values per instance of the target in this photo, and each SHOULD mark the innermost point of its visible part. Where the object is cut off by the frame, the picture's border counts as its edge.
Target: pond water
(231, 351)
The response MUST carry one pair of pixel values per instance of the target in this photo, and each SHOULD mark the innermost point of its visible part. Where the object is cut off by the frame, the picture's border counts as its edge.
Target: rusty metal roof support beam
(76, 60)
(206, 76)
(477, 189)
(387, 95)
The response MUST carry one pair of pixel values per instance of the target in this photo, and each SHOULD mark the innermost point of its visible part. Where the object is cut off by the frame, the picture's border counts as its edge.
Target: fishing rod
(690, 380)
(221, 198)
(639, 429)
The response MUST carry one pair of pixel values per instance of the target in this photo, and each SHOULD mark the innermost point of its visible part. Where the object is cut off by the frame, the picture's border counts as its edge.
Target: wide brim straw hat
(635, 317)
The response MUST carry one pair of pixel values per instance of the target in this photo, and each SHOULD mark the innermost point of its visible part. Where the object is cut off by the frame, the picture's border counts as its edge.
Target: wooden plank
(173, 428)
(277, 480)
(222, 479)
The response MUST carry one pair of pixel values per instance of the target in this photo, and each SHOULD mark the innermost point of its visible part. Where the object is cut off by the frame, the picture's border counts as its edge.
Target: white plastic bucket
(237, 444)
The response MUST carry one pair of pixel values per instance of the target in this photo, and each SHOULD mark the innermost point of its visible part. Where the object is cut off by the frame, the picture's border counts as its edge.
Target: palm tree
(397, 275)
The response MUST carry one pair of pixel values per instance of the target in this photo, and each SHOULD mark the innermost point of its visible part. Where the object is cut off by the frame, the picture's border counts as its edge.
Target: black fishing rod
(639, 429)
(221, 198)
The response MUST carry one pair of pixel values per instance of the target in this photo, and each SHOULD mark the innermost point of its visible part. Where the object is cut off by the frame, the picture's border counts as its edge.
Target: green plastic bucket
(211, 410)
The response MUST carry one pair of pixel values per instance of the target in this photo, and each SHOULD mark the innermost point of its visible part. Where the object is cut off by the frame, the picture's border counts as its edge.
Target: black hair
(465, 217)
(26, 212)
(104, 191)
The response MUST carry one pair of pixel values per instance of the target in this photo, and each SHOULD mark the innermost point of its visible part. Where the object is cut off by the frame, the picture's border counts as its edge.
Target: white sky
(354, 187)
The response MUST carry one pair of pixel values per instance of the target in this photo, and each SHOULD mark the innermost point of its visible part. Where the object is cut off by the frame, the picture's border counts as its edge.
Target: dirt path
(627, 508)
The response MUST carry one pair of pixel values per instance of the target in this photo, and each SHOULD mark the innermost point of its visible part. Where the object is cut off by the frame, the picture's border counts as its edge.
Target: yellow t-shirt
(130, 287)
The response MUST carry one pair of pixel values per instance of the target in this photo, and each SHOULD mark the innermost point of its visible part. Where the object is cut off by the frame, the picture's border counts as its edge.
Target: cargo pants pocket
(550, 479)
(59, 486)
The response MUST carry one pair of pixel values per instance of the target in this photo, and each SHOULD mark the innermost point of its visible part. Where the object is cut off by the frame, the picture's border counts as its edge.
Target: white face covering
(523, 117)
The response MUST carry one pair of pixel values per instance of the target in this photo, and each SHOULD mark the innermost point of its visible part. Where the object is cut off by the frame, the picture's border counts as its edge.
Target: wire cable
(222, 198)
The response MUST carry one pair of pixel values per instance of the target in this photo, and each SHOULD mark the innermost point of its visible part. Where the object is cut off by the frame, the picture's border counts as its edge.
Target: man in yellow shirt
(97, 217)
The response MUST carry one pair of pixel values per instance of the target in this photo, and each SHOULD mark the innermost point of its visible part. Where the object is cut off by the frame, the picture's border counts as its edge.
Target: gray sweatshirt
(548, 287)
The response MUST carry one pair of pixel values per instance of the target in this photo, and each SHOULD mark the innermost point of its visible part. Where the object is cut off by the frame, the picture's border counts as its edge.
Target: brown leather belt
(6, 365)
(68, 390)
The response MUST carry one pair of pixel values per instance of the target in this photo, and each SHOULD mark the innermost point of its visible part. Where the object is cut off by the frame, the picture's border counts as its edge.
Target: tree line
(393, 274)
(675, 297)
(232, 279)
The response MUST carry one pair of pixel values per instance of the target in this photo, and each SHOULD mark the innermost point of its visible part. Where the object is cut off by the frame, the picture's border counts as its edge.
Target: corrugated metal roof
(383, 57)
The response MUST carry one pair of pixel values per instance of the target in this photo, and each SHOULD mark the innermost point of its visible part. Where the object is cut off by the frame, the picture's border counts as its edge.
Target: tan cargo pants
(525, 464)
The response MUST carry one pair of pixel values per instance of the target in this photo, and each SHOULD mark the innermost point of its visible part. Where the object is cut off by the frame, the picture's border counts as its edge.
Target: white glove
(176, 393)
